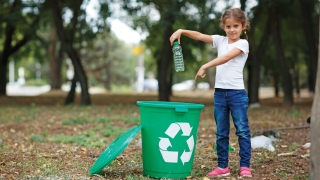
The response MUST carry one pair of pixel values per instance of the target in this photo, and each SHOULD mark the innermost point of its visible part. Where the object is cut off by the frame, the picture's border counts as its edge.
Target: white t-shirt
(230, 74)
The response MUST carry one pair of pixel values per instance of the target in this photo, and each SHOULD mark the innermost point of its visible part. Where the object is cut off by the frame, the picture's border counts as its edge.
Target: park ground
(40, 138)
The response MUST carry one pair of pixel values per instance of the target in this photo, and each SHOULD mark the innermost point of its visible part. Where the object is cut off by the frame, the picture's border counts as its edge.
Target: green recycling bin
(169, 133)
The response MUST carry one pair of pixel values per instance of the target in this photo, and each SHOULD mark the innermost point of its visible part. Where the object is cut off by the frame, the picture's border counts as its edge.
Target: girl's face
(233, 29)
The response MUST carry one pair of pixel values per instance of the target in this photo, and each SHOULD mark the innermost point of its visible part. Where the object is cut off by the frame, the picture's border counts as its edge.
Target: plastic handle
(182, 109)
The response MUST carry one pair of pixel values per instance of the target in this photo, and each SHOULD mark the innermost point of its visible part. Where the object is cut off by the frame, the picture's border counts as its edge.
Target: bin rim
(170, 104)
(114, 149)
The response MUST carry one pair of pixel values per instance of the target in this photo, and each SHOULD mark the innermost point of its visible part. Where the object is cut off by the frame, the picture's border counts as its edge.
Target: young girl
(230, 95)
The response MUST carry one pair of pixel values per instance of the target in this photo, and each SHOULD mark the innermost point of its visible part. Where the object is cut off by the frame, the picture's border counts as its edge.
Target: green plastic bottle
(177, 57)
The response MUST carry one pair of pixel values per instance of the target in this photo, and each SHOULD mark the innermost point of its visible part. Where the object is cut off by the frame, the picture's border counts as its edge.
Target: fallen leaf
(283, 146)
(206, 178)
(202, 166)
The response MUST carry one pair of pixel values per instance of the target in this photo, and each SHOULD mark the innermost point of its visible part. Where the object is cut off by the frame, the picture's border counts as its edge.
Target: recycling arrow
(164, 143)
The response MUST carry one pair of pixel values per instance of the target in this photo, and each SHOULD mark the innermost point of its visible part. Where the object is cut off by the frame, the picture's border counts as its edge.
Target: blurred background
(122, 46)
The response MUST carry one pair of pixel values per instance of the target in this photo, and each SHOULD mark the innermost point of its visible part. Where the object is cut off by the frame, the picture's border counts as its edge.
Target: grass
(75, 121)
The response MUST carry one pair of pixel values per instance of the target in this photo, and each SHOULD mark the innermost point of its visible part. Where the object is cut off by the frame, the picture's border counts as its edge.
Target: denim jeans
(228, 101)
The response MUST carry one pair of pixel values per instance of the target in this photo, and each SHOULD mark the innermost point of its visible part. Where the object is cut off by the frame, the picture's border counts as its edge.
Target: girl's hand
(174, 36)
(200, 73)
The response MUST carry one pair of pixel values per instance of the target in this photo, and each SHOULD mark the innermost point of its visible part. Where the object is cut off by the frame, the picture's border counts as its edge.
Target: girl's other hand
(200, 73)
(174, 36)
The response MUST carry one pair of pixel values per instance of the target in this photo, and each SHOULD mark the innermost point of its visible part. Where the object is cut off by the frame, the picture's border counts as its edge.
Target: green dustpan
(114, 149)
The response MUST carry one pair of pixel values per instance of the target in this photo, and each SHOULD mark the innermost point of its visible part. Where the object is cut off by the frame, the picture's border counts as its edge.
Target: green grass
(37, 138)
(75, 121)
(303, 176)
(293, 146)
(80, 140)
(283, 174)
(112, 131)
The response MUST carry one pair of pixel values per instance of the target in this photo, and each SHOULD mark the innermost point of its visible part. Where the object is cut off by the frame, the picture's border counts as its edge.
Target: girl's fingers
(202, 76)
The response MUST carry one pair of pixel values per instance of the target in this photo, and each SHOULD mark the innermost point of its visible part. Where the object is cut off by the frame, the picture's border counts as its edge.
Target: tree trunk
(243, 4)
(4, 59)
(3, 73)
(164, 64)
(276, 85)
(256, 64)
(314, 165)
(296, 79)
(72, 53)
(71, 95)
(307, 10)
(55, 62)
(284, 69)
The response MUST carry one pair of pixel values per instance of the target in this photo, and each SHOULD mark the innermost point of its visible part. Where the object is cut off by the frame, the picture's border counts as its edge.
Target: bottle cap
(175, 42)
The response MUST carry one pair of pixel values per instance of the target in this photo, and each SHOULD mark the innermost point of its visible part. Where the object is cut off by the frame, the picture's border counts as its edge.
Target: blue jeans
(228, 101)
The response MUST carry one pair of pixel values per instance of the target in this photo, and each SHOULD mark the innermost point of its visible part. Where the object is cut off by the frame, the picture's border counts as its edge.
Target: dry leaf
(283, 146)
(202, 166)
(206, 178)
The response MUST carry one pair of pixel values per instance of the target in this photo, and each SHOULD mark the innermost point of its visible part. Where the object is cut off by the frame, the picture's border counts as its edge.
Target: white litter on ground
(263, 142)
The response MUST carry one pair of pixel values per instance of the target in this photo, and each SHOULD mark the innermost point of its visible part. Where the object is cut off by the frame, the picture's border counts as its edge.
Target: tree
(308, 8)
(284, 68)
(108, 62)
(314, 164)
(256, 52)
(67, 43)
(55, 52)
(13, 17)
(173, 15)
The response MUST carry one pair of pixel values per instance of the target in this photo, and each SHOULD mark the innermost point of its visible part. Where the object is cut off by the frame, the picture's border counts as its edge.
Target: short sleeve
(243, 45)
(216, 40)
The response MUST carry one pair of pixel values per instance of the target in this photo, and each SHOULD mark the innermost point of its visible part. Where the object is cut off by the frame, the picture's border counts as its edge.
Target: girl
(230, 95)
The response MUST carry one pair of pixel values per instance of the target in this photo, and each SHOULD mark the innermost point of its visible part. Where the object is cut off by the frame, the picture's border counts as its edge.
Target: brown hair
(237, 14)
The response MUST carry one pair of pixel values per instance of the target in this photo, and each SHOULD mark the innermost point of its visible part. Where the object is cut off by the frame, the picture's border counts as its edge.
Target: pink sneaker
(217, 172)
(245, 172)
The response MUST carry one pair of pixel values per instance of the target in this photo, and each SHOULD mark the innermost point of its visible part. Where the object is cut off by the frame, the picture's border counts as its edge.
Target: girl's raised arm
(191, 34)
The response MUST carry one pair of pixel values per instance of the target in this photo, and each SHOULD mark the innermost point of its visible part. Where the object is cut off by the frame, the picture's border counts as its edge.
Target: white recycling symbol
(164, 143)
